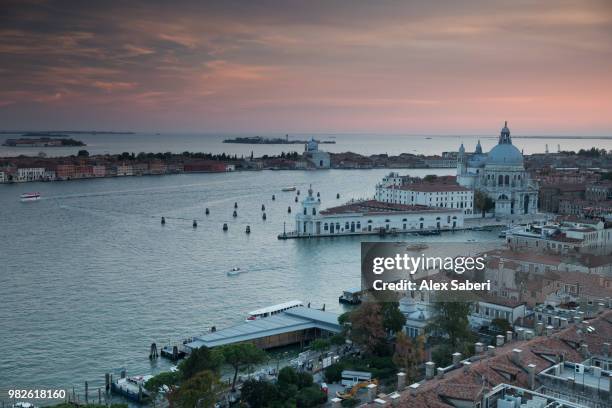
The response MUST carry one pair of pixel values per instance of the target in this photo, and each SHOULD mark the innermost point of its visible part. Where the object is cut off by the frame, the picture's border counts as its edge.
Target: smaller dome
(505, 154)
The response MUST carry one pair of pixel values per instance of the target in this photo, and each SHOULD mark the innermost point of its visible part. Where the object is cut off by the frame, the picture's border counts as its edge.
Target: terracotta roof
(431, 187)
(380, 207)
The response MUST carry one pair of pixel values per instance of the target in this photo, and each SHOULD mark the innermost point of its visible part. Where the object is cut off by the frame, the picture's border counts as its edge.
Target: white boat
(30, 196)
(289, 188)
(235, 272)
(273, 310)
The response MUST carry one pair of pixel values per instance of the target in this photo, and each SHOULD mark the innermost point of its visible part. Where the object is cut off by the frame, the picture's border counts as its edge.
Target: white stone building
(430, 194)
(30, 174)
(501, 175)
(371, 216)
(318, 158)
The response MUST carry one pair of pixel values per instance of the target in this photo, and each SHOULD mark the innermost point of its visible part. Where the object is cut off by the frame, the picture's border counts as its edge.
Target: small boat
(132, 387)
(428, 138)
(416, 247)
(235, 271)
(272, 310)
(429, 232)
(30, 196)
(289, 189)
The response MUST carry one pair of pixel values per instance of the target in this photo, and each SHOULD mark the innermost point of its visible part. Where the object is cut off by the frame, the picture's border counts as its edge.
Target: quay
(298, 325)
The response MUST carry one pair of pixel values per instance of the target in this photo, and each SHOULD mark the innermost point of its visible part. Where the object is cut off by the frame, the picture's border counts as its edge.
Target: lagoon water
(89, 277)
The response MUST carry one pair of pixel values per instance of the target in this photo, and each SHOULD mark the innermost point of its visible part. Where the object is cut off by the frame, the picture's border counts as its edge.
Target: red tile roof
(380, 207)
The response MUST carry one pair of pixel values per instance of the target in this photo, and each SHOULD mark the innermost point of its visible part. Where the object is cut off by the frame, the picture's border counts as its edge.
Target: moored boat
(289, 188)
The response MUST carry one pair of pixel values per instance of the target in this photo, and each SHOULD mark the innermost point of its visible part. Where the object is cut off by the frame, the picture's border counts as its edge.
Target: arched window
(314, 211)
(500, 180)
(304, 210)
(507, 180)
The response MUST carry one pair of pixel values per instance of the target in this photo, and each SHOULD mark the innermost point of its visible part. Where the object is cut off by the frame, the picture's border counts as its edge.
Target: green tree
(201, 359)
(241, 355)
(311, 396)
(483, 202)
(450, 319)
(501, 325)
(430, 178)
(259, 393)
(83, 153)
(393, 319)
(200, 391)
(167, 378)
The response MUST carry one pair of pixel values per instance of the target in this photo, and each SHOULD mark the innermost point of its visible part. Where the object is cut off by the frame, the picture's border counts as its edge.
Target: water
(89, 278)
(358, 143)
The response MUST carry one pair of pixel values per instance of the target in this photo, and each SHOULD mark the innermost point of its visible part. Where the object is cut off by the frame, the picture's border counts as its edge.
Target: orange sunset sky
(410, 67)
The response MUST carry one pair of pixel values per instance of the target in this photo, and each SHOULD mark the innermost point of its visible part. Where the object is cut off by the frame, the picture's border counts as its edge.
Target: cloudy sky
(435, 67)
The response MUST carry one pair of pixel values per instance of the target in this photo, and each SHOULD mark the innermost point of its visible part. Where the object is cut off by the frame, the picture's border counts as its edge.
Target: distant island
(48, 140)
(275, 140)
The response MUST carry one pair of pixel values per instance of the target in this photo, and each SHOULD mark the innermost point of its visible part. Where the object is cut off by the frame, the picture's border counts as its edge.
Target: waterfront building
(125, 170)
(501, 175)
(442, 193)
(371, 216)
(83, 171)
(30, 174)
(318, 158)
(3, 177)
(99, 170)
(493, 307)
(65, 171)
(565, 235)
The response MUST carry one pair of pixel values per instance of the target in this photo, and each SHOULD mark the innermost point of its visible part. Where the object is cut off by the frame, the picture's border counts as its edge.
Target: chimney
(584, 350)
(466, 366)
(528, 334)
(413, 389)
(478, 347)
(456, 359)
(539, 328)
(606, 349)
(509, 336)
(557, 322)
(516, 356)
(371, 392)
(549, 331)
(520, 333)
(491, 350)
(430, 369)
(395, 399)
(563, 322)
(499, 340)
(401, 381)
(531, 368)
(440, 372)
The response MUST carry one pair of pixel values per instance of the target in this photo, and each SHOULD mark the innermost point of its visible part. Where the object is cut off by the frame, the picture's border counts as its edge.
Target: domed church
(501, 175)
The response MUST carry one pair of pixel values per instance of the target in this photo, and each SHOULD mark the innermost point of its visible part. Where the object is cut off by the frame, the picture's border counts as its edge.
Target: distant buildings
(501, 175)
(316, 157)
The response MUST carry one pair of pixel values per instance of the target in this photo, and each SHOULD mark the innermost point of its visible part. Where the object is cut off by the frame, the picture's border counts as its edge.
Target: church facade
(501, 175)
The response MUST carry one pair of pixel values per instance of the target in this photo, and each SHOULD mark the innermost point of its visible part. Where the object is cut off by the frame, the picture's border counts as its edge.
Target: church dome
(505, 154)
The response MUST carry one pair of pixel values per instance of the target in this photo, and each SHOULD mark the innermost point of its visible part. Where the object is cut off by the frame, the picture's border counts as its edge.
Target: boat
(289, 188)
(235, 271)
(416, 247)
(429, 232)
(350, 296)
(132, 388)
(30, 196)
(273, 310)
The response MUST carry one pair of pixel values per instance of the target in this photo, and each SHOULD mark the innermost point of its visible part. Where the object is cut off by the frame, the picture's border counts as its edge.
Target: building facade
(501, 175)
(371, 216)
(318, 158)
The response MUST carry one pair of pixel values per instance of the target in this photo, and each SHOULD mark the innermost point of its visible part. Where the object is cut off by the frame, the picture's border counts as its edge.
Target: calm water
(359, 143)
(89, 278)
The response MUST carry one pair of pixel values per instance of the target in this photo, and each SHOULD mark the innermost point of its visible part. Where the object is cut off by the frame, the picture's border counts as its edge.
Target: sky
(252, 66)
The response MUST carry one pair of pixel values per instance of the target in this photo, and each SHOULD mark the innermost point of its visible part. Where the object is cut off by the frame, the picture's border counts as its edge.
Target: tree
(199, 360)
(200, 391)
(311, 396)
(241, 355)
(320, 345)
(501, 325)
(393, 319)
(83, 153)
(367, 327)
(258, 393)
(409, 354)
(167, 378)
(483, 202)
(450, 319)
(430, 178)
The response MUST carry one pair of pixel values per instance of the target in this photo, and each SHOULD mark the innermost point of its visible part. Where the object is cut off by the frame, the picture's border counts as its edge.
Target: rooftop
(379, 207)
